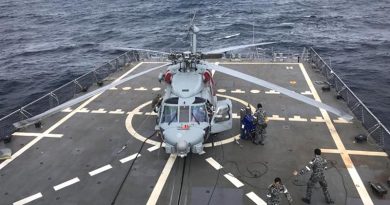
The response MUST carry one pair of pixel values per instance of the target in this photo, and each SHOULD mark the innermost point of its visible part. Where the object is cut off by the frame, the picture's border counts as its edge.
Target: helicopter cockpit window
(170, 114)
(184, 113)
(198, 113)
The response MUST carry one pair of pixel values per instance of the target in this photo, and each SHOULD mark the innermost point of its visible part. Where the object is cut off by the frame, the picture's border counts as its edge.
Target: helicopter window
(172, 100)
(199, 100)
(170, 114)
(184, 113)
(198, 113)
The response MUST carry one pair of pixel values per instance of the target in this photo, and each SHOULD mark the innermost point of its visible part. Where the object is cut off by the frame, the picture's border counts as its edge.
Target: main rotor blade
(222, 50)
(69, 103)
(138, 49)
(280, 89)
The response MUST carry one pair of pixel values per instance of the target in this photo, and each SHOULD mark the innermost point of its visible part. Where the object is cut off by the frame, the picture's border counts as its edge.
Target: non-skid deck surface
(82, 155)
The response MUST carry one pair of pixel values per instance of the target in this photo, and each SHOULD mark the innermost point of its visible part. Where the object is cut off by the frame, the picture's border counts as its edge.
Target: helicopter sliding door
(222, 118)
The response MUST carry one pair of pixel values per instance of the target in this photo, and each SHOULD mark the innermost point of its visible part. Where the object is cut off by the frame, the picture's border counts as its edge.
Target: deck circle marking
(141, 138)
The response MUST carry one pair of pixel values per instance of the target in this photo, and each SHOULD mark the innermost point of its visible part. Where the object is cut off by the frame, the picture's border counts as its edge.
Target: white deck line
(161, 180)
(65, 184)
(129, 158)
(255, 198)
(151, 149)
(100, 170)
(140, 89)
(359, 185)
(237, 91)
(117, 112)
(60, 122)
(67, 110)
(37, 134)
(214, 163)
(233, 180)
(28, 199)
(83, 110)
(273, 92)
(99, 111)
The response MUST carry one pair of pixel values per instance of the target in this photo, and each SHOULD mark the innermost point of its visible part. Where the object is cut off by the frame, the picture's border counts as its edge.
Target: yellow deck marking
(53, 127)
(342, 121)
(161, 180)
(359, 185)
(221, 90)
(114, 88)
(276, 118)
(367, 153)
(297, 118)
(126, 88)
(317, 119)
(356, 152)
(156, 89)
(255, 91)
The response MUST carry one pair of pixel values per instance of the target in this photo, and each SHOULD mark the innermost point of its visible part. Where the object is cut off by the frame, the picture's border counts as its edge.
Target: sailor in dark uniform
(261, 124)
(274, 190)
(317, 165)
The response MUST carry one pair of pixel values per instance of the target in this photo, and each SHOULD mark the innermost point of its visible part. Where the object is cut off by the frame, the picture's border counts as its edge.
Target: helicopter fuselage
(189, 109)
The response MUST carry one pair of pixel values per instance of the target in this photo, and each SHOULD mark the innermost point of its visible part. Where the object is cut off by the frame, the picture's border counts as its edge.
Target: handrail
(353, 102)
(67, 91)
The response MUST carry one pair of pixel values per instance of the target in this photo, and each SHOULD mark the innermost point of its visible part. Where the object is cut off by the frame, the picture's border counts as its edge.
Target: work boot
(330, 201)
(306, 200)
(261, 143)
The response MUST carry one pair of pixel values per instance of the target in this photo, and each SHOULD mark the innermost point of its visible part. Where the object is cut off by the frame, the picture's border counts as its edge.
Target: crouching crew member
(274, 191)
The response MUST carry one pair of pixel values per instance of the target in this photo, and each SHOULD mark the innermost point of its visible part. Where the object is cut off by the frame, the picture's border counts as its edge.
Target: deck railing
(374, 126)
(71, 89)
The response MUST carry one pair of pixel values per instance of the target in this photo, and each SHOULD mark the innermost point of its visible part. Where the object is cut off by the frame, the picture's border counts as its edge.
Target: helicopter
(189, 111)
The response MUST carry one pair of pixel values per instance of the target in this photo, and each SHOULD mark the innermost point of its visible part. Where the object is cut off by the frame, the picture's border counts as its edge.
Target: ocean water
(44, 44)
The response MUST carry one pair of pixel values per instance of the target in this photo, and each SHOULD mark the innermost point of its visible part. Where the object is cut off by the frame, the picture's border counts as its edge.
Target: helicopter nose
(181, 141)
(182, 147)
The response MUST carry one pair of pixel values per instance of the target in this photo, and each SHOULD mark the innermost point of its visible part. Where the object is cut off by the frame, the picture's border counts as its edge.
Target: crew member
(318, 165)
(156, 103)
(261, 124)
(274, 191)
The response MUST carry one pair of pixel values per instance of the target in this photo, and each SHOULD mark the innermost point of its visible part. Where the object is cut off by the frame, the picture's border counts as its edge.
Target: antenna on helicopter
(193, 30)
